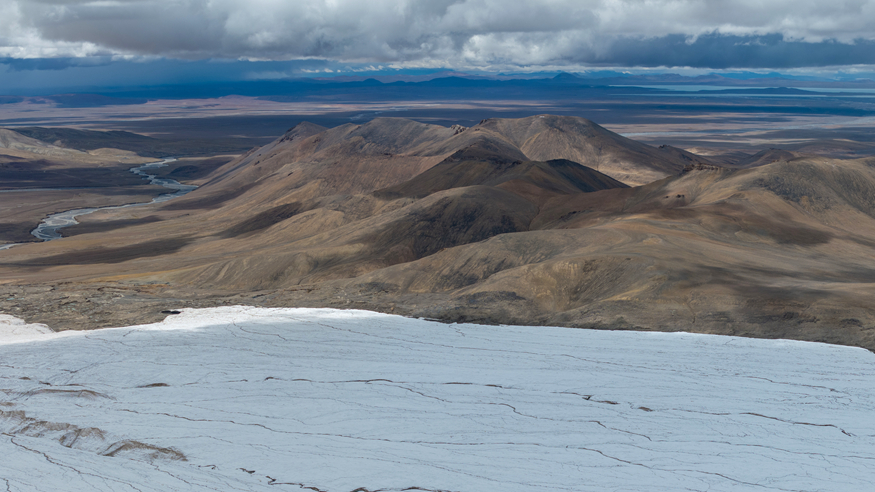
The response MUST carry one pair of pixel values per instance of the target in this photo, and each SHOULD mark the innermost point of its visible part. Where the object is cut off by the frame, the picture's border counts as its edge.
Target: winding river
(49, 228)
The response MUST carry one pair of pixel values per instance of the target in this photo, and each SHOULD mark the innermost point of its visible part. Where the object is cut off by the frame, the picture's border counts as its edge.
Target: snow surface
(14, 330)
(240, 398)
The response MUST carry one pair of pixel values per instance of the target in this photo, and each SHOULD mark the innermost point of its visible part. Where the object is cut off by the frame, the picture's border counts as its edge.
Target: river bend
(49, 228)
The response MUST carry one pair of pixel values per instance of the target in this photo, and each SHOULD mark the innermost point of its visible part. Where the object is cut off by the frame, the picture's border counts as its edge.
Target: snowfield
(239, 398)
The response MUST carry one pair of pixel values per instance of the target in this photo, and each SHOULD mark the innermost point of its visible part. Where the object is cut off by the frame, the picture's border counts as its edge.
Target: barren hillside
(504, 222)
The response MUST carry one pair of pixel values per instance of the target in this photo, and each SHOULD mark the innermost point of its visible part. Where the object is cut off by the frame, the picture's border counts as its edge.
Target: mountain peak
(566, 77)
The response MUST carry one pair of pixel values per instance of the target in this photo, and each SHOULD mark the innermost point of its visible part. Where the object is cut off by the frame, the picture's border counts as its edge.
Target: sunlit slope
(473, 228)
(549, 137)
(471, 196)
(785, 250)
(385, 152)
(12, 141)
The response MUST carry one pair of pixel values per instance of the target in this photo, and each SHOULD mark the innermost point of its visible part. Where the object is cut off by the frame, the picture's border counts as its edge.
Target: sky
(105, 42)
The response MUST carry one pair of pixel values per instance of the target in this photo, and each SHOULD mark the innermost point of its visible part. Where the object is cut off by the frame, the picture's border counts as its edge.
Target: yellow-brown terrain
(543, 220)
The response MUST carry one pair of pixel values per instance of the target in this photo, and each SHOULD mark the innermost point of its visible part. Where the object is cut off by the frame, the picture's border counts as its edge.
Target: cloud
(60, 63)
(484, 34)
(717, 51)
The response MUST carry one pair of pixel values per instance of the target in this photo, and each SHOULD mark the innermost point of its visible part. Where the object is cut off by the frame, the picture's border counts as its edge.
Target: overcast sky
(489, 35)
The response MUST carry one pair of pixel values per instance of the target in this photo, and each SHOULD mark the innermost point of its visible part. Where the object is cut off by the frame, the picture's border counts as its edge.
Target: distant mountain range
(448, 85)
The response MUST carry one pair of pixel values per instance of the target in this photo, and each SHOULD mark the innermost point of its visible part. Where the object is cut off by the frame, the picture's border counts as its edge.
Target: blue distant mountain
(455, 86)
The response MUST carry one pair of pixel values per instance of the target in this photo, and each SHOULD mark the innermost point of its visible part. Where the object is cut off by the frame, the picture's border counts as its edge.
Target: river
(49, 228)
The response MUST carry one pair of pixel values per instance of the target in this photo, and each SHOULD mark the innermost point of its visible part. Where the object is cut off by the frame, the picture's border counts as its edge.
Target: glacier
(241, 398)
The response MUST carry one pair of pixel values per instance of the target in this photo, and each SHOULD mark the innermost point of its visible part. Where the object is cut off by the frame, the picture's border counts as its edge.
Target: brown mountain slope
(308, 166)
(385, 152)
(689, 158)
(316, 183)
(472, 196)
(767, 156)
(15, 141)
(547, 137)
(369, 151)
(742, 253)
(482, 233)
(307, 163)
(476, 165)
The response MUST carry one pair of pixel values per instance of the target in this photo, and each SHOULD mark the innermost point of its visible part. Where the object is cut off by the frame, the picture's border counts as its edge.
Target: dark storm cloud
(721, 52)
(43, 76)
(486, 34)
(21, 64)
